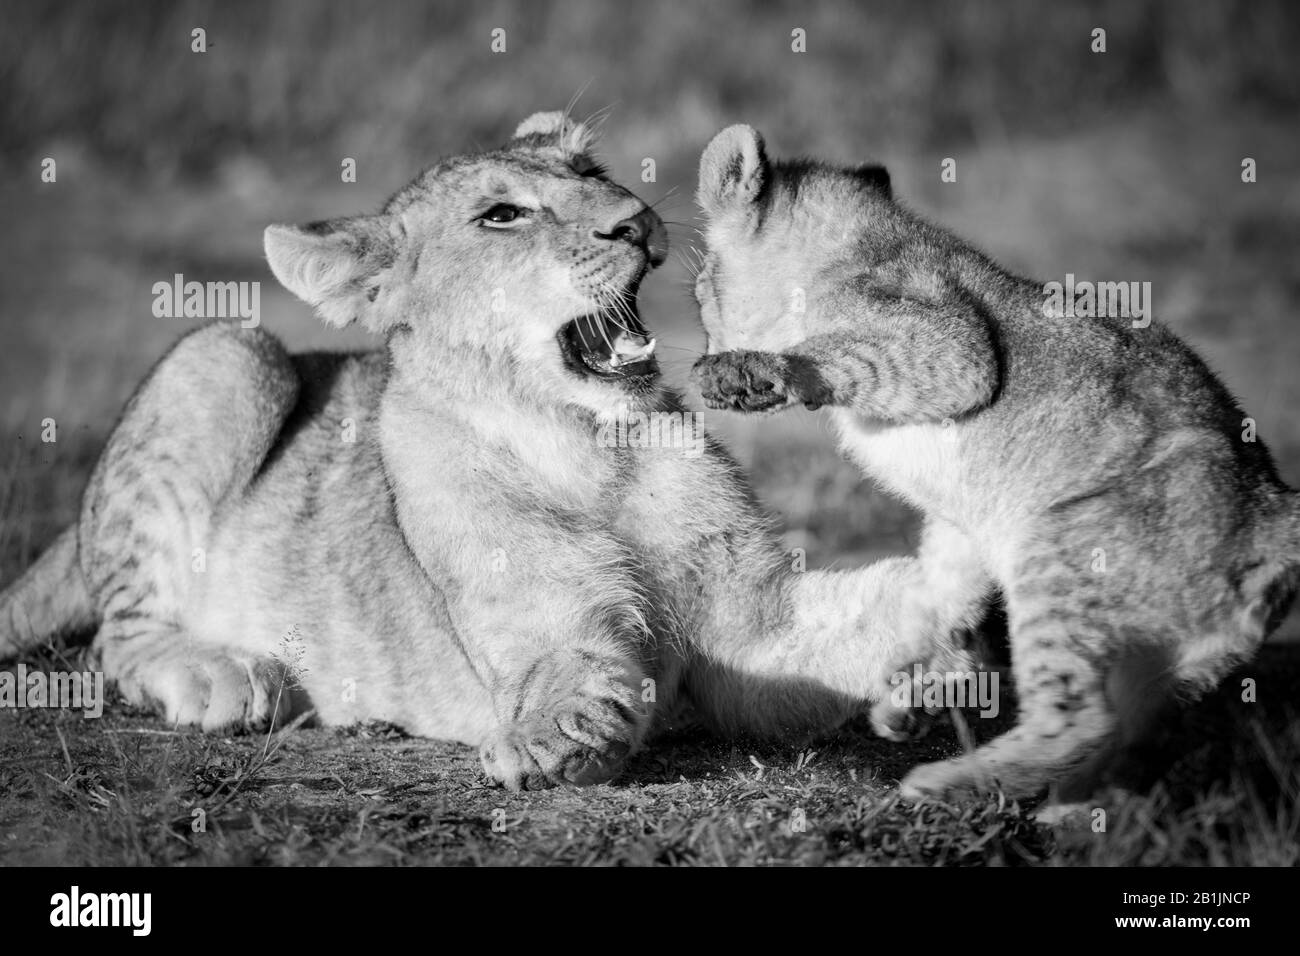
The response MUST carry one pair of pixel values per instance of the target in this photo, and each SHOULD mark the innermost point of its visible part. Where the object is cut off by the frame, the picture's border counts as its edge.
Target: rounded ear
(336, 266)
(557, 128)
(875, 177)
(733, 169)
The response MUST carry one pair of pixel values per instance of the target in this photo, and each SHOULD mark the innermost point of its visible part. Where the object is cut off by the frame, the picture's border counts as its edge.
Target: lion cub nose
(646, 230)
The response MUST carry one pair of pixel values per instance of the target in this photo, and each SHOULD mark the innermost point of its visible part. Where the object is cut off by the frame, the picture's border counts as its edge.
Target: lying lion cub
(437, 522)
(1093, 471)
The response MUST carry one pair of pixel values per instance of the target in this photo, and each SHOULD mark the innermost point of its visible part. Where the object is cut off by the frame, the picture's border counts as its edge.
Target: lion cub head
(781, 237)
(519, 265)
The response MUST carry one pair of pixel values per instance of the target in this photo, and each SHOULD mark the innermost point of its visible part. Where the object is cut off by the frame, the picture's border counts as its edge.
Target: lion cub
(1095, 472)
(436, 534)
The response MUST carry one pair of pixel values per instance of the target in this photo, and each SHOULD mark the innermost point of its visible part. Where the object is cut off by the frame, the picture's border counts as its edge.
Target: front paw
(744, 381)
(580, 741)
(962, 778)
(899, 724)
(217, 689)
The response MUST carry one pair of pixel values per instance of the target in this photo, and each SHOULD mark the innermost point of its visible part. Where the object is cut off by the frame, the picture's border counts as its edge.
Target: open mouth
(608, 344)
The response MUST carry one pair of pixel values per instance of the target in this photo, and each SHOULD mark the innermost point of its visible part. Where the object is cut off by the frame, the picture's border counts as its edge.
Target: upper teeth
(627, 350)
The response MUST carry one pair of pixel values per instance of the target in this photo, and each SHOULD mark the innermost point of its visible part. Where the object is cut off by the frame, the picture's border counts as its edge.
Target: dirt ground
(1219, 788)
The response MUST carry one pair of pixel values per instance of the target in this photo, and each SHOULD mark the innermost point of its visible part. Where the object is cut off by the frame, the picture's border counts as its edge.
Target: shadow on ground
(126, 789)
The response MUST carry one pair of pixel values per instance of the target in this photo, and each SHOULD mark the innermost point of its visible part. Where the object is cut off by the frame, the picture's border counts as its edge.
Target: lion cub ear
(875, 177)
(733, 170)
(337, 266)
(557, 129)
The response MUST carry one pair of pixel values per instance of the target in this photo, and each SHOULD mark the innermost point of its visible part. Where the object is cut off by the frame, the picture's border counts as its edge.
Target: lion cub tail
(49, 600)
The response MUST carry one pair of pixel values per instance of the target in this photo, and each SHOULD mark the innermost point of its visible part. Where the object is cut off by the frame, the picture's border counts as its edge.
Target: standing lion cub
(435, 528)
(1094, 472)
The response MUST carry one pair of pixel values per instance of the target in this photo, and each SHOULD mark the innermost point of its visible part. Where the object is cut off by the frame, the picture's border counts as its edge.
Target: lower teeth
(627, 352)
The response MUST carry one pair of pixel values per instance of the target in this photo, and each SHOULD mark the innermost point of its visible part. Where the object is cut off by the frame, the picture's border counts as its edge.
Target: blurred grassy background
(1123, 165)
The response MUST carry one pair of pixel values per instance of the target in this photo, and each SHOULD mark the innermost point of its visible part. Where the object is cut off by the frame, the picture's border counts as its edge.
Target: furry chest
(920, 463)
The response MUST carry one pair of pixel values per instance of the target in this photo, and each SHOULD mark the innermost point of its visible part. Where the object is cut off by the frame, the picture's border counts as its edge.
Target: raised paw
(580, 741)
(757, 381)
(213, 689)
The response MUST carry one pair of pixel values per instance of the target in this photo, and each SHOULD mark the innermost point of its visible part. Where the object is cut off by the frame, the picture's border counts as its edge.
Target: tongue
(630, 349)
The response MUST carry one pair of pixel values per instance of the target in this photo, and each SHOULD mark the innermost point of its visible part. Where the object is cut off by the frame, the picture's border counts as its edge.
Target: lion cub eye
(501, 214)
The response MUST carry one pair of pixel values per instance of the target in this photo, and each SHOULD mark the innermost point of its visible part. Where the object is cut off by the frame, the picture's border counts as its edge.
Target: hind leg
(1064, 716)
(1083, 724)
(192, 437)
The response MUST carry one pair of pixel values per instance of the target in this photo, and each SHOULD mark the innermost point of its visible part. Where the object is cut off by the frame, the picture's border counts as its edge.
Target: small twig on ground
(64, 744)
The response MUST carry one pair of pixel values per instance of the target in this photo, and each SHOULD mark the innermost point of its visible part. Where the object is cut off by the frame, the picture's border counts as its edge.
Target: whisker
(679, 348)
(597, 120)
(582, 327)
(617, 303)
(623, 310)
(671, 194)
(573, 102)
(605, 335)
(693, 259)
(614, 318)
